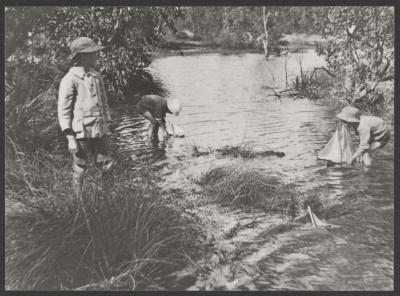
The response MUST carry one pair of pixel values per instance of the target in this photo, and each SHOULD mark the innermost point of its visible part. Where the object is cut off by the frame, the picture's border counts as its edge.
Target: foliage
(128, 33)
(34, 124)
(240, 26)
(360, 46)
(120, 235)
(234, 27)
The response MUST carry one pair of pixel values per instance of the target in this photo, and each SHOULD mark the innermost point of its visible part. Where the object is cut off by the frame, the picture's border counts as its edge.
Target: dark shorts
(92, 150)
(382, 139)
(141, 108)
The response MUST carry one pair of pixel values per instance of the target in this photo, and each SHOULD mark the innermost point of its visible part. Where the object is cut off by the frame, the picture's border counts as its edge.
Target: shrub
(128, 33)
(230, 40)
(246, 151)
(237, 186)
(120, 235)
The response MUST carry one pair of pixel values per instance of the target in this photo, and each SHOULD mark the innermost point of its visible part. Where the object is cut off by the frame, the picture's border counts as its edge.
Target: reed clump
(243, 151)
(243, 187)
(119, 236)
(246, 151)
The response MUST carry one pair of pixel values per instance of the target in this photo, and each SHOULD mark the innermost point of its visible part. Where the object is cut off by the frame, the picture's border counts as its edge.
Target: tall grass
(238, 186)
(120, 235)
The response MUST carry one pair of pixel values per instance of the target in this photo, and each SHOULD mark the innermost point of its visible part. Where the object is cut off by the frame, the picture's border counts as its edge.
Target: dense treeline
(239, 27)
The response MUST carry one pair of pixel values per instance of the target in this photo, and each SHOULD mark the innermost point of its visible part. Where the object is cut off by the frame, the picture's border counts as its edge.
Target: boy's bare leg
(163, 131)
(153, 128)
(77, 179)
(80, 159)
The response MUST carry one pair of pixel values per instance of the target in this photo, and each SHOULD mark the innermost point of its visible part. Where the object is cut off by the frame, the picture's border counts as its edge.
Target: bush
(360, 45)
(233, 40)
(246, 151)
(314, 202)
(35, 124)
(237, 186)
(120, 235)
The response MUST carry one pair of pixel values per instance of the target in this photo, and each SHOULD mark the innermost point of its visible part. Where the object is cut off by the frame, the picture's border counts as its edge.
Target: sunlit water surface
(226, 102)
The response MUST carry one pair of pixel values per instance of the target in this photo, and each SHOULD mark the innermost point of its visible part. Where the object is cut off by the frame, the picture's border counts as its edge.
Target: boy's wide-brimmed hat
(175, 106)
(350, 114)
(84, 45)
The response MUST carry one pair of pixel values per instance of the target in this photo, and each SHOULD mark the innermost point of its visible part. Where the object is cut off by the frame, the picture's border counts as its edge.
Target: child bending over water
(154, 108)
(372, 131)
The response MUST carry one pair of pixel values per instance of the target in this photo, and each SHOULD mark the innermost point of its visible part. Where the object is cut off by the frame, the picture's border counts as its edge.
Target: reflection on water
(225, 104)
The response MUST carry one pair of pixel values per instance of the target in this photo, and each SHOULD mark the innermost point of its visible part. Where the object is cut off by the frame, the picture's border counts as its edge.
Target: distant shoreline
(297, 42)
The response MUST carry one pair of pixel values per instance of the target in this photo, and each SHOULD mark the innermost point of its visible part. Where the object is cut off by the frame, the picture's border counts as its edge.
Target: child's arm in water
(365, 136)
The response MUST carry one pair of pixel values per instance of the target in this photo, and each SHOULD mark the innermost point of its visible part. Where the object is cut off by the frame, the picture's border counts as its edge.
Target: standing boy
(83, 111)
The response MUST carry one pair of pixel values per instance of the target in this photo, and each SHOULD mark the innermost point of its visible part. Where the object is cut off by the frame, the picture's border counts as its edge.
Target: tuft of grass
(246, 151)
(119, 236)
(33, 123)
(236, 186)
(196, 152)
(313, 200)
(326, 211)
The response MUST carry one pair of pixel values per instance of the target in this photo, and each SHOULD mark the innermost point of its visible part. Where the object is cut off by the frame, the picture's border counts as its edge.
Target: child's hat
(350, 114)
(85, 45)
(175, 106)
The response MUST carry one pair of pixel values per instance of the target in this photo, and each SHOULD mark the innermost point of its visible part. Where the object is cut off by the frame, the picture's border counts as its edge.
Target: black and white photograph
(199, 148)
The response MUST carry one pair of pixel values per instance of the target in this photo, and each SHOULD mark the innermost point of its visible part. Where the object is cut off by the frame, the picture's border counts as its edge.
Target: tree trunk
(265, 39)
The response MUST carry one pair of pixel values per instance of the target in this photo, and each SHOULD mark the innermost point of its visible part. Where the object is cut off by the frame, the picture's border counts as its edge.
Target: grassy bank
(120, 235)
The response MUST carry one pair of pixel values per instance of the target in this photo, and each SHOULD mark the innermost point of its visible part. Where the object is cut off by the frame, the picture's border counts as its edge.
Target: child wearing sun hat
(83, 111)
(154, 108)
(372, 131)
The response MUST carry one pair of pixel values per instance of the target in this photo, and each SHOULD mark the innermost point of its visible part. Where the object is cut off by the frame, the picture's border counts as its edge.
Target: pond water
(226, 102)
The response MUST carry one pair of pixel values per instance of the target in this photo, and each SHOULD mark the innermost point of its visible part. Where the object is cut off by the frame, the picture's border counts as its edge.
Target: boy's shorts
(92, 150)
(141, 108)
(383, 139)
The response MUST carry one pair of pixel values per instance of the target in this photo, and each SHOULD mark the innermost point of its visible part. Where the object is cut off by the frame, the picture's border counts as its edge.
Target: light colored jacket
(82, 104)
(370, 129)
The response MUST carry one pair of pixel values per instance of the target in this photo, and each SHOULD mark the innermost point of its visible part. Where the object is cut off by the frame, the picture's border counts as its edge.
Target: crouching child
(372, 131)
(83, 111)
(154, 108)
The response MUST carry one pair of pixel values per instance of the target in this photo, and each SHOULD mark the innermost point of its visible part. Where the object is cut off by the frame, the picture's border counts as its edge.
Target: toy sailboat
(315, 221)
(175, 130)
(339, 149)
